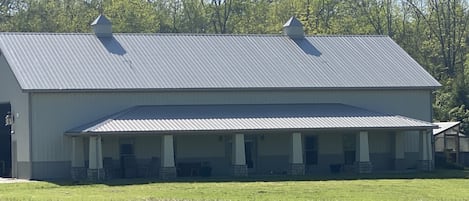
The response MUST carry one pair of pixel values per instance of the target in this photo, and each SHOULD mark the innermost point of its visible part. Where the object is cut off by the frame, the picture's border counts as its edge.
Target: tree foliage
(433, 32)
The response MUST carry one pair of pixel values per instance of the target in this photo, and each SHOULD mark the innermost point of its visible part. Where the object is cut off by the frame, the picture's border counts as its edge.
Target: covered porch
(243, 140)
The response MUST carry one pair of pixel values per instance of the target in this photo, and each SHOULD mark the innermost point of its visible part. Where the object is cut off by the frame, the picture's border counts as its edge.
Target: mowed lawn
(440, 185)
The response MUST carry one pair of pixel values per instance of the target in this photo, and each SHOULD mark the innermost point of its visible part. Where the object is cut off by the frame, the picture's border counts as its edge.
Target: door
(128, 162)
(250, 151)
(5, 143)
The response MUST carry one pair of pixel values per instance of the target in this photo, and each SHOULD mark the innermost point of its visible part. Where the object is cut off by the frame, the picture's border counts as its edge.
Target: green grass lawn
(439, 185)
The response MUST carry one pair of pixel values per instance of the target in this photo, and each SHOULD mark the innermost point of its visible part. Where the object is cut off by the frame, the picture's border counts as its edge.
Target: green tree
(132, 16)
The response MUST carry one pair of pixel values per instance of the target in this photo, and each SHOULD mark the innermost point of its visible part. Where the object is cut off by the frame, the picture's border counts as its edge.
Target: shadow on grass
(437, 174)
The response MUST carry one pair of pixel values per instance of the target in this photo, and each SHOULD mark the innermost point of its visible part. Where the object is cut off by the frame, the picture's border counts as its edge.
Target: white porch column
(168, 168)
(239, 150)
(399, 151)
(78, 170)
(239, 156)
(99, 152)
(168, 151)
(92, 157)
(297, 166)
(297, 149)
(431, 150)
(425, 150)
(364, 151)
(95, 167)
(363, 155)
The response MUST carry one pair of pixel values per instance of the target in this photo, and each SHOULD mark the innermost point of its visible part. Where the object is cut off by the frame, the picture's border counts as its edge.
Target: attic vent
(102, 27)
(294, 29)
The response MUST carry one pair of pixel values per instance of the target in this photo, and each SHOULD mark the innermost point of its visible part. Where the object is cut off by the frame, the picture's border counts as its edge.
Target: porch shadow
(438, 174)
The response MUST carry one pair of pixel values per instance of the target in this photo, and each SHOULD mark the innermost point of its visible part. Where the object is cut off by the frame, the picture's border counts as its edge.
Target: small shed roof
(69, 62)
(235, 118)
(444, 126)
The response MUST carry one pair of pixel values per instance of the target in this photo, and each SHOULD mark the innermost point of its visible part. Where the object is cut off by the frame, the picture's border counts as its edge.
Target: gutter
(226, 89)
(234, 131)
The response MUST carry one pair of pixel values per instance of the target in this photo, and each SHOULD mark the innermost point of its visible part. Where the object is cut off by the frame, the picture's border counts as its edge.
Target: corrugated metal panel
(10, 92)
(464, 144)
(246, 117)
(45, 61)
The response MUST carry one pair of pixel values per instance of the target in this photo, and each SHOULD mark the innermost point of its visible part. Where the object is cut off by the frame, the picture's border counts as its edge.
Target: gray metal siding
(464, 144)
(199, 146)
(10, 92)
(332, 142)
(55, 113)
(43, 61)
(51, 170)
(23, 170)
(380, 142)
(412, 141)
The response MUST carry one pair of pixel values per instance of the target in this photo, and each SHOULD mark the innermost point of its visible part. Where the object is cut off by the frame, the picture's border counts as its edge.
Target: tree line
(433, 32)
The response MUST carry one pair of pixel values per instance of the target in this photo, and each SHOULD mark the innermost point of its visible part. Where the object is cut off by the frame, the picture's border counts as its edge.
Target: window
(127, 149)
(349, 142)
(311, 150)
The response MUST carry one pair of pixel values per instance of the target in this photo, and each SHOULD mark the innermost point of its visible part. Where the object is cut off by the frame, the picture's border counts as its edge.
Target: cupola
(102, 27)
(294, 29)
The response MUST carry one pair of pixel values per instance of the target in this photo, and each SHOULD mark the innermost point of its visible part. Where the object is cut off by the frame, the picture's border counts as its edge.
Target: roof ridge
(416, 120)
(187, 34)
(109, 118)
(43, 33)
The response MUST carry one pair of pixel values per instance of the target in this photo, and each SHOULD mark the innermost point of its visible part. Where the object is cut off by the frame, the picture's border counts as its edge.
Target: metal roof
(293, 22)
(101, 19)
(444, 126)
(48, 61)
(246, 117)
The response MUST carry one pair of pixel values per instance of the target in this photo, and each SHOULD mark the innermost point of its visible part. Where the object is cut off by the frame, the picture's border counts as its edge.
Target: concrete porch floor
(4, 180)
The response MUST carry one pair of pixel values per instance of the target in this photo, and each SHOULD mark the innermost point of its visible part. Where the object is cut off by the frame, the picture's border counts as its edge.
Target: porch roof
(238, 118)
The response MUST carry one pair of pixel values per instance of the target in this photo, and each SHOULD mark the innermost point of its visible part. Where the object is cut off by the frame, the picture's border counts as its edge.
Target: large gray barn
(132, 105)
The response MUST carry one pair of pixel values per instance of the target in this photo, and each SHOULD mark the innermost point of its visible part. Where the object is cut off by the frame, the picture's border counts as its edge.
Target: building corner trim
(30, 123)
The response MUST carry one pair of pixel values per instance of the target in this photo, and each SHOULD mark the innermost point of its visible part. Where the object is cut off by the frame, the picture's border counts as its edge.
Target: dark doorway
(128, 161)
(5, 142)
(250, 151)
(249, 154)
